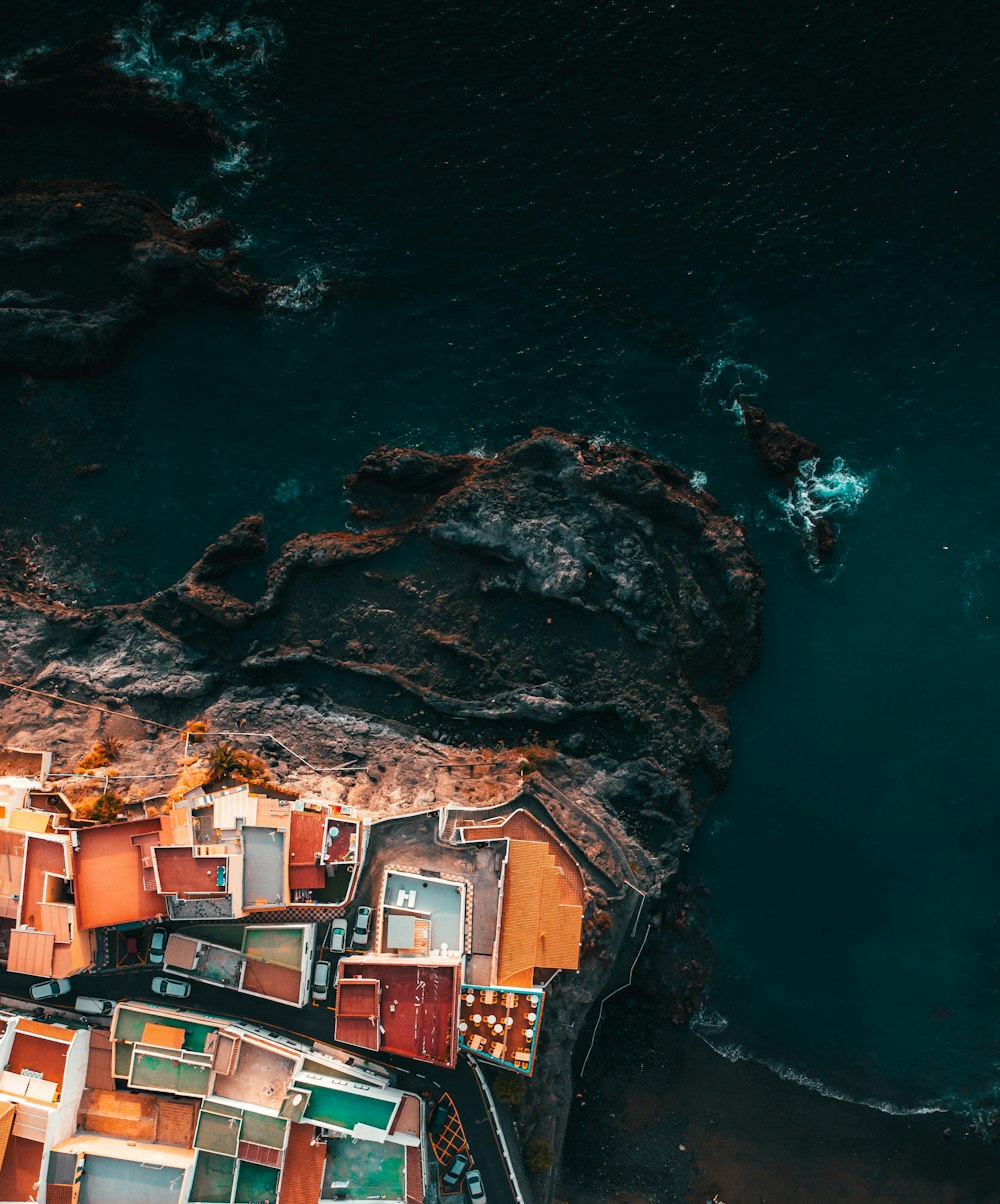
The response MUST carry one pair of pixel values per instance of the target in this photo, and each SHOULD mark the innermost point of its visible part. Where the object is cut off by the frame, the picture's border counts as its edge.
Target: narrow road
(315, 1023)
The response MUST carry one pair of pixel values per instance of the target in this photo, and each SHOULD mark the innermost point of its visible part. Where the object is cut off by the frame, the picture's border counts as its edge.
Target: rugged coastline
(565, 616)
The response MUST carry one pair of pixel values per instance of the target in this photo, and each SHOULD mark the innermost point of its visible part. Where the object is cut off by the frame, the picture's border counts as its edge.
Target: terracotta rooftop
(28, 1052)
(163, 1035)
(522, 825)
(139, 1116)
(11, 871)
(113, 853)
(41, 857)
(302, 1174)
(31, 953)
(356, 1017)
(414, 1176)
(306, 843)
(537, 929)
(181, 872)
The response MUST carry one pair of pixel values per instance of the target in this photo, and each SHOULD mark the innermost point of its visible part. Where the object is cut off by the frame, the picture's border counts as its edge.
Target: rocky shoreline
(565, 613)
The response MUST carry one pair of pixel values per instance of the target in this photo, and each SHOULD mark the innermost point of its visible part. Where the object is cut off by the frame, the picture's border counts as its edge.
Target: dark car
(439, 1118)
(455, 1173)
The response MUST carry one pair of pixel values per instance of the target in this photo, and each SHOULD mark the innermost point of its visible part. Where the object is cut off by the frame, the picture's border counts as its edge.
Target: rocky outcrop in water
(78, 84)
(83, 265)
(780, 453)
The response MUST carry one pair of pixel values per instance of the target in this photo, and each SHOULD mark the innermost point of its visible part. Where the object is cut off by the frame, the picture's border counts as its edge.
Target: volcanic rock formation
(84, 264)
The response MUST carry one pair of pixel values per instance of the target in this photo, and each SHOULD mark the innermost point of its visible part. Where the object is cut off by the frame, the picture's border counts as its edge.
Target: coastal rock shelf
(85, 264)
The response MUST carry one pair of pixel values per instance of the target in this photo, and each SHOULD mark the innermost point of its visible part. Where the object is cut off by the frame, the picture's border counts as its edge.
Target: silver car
(362, 927)
(52, 988)
(475, 1193)
(172, 988)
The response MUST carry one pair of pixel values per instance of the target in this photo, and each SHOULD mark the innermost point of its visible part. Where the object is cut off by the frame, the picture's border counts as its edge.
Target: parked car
(172, 988)
(52, 988)
(94, 1007)
(453, 1176)
(157, 945)
(475, 1193)
(321, 981)
(362, 926)
(338, 937)
(439, 1118)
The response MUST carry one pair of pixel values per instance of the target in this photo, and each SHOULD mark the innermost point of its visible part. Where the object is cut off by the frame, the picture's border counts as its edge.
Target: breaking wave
(140, 55)
(814, 494)
(699, 480)
(188, 216)
(708, 1026)
(726, 379)
(304, 294)
(10, 68)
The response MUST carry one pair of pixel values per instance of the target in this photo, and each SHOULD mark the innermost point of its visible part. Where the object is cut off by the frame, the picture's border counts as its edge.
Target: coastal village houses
(473, 912)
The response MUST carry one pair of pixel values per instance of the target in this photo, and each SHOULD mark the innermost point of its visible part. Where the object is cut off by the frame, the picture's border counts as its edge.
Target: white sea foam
(188, 216)
(708, 1026)
(10, 68)
(699, 480)
(726, 379)
(140, 55)
(304, 294)
(815, 494)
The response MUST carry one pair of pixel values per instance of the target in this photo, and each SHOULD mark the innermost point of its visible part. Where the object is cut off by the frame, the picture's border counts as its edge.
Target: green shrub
(539, 1156)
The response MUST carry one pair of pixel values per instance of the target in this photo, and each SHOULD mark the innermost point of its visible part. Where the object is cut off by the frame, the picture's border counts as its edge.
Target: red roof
(305, 843)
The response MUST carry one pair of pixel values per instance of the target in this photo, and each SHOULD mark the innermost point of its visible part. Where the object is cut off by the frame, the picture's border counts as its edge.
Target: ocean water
(605, 217)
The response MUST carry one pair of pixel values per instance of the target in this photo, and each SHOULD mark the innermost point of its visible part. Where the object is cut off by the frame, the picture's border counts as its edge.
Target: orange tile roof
(163, 1035)
(54, 1032)
(30, 953)
(7, 1113)
(537, 929)
(59, 1193)
(519, 925)
(302, 1173)
(522, 825)
(54, 918)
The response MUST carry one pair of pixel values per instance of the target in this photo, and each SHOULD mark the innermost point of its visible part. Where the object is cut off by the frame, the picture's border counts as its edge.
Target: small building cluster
(170, 1108)
(427, 936)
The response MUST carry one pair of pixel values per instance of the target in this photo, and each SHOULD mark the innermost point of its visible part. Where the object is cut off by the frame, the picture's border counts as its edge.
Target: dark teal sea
(553, 205)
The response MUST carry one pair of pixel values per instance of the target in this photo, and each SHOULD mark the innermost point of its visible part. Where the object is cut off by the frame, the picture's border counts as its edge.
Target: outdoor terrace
(130, 1024)
(114, 853)
(180, 872)
(42, 857)
(501, 1025)
(427, 912)
(38, 1056)
(262, 1077)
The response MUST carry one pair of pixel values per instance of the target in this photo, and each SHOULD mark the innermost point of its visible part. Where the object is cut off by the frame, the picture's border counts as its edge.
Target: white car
(475, 1193)
(52, 988)
(157, 945)
(91, 1006)
(338, 937)
(172, 988)
(321, 981)
(362, 927)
